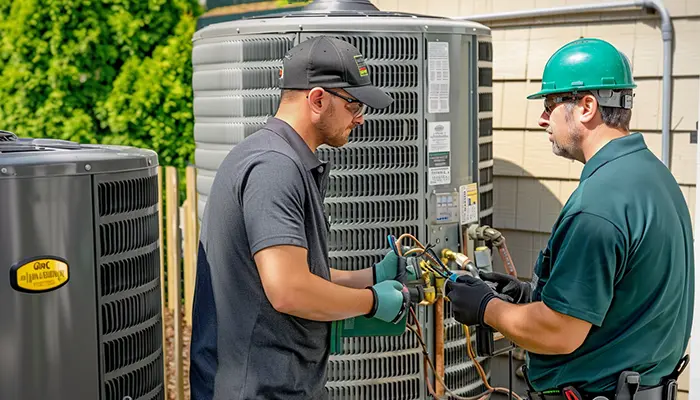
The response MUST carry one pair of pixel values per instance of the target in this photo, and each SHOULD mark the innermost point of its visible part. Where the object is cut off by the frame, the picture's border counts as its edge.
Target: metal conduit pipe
(694, 389)
(666, 35)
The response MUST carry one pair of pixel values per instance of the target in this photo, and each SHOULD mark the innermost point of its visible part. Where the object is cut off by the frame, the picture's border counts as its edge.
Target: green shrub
(107, 71)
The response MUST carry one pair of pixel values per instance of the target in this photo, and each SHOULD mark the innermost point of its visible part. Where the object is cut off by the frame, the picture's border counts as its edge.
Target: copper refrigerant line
(433, 274)
(486, 233)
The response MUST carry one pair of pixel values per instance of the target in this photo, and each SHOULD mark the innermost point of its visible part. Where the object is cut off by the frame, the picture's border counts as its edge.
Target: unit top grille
(385, 47)
(352, 21)
(242, 49)
(28, 157)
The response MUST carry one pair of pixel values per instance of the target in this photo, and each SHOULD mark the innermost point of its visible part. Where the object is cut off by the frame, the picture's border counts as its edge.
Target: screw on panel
(88, 167)
(4, 170)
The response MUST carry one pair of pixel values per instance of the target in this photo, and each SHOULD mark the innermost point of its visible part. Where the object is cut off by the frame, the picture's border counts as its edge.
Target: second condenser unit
(80, 272)
(422, 166)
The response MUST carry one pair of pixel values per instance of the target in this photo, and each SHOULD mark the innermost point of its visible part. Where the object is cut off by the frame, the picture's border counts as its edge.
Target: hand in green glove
(392, 267)
(391, 301)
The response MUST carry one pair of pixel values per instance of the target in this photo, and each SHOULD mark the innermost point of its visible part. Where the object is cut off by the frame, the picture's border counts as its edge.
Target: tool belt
(628, 388)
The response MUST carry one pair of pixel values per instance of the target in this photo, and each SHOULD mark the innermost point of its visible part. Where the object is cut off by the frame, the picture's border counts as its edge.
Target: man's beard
(572, 149)
(562, 150)
(333, 137)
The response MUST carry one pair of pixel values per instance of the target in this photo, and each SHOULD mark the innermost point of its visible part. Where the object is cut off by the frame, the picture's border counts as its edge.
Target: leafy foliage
(100, 71)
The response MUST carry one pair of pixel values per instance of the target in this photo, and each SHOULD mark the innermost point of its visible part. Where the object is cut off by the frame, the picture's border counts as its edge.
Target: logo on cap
(361, 65)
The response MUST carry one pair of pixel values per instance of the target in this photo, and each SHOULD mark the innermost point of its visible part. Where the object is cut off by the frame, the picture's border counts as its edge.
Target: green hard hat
(585, 64)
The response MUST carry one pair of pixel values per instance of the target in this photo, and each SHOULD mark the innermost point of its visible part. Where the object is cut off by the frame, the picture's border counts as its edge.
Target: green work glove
(391, 300)
(386, 269)
(392, 267)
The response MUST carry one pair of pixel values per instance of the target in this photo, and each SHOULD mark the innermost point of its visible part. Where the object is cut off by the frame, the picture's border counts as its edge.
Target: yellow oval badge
(39, 274)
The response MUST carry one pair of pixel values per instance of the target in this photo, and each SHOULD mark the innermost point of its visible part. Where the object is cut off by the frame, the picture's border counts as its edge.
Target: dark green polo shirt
(620, 257)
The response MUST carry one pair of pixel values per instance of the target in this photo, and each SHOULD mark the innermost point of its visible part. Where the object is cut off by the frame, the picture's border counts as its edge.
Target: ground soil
(170, 363)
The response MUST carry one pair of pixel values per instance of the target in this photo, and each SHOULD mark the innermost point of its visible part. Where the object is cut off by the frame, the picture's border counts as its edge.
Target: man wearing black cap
(265, 294)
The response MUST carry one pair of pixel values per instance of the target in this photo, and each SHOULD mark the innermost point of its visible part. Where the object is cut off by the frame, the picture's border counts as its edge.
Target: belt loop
(627, 385)
(529, 385)
(684, 361)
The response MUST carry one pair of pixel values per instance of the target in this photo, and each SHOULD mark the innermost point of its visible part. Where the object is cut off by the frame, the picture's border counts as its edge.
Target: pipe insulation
(666, 36)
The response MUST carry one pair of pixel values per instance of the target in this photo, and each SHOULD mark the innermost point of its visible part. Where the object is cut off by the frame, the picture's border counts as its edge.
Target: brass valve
(463, 262)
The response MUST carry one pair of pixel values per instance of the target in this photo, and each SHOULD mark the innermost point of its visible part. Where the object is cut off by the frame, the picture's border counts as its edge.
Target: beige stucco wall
(531, 184)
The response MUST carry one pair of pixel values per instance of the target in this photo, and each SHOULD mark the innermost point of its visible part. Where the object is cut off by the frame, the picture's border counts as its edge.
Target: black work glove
(508, 287)
(469, 297)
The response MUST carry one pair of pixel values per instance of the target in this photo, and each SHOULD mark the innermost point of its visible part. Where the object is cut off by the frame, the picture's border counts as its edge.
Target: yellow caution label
(39, 274)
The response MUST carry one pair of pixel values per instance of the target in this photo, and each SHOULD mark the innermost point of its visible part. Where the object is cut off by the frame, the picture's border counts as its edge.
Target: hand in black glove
(509, 288)
(469, 297)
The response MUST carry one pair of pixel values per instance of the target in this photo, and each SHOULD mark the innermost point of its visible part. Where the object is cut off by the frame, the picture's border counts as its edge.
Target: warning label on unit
(438, 77)
(439, 153)
(39, 275)
(468, 204)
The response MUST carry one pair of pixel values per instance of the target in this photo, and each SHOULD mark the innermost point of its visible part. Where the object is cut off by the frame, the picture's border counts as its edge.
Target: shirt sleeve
(587, 253)
(273, 198)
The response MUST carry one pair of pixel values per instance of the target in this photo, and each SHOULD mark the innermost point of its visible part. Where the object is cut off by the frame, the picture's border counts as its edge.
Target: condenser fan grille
(129, 276)
(378, 180)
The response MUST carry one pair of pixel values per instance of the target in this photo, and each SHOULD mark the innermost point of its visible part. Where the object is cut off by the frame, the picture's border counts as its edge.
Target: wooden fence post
(164, 306)
(191, 242)
(174, 292)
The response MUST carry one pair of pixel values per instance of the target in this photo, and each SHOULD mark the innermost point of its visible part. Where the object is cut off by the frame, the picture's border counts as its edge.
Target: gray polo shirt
(268, 191)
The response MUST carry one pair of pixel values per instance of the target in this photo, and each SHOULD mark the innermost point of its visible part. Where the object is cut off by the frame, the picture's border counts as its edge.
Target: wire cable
(442, 270)
(472, 356)
(426, 358)
(510, 373)
(480, 369)
(439, 268)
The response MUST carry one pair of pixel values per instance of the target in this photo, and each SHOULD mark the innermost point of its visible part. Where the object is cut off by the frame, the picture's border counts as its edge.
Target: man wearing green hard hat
(609, 310)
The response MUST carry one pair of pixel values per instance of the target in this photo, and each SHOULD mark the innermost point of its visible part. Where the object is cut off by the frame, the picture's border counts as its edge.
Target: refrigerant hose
(435, 265)
(489, 234)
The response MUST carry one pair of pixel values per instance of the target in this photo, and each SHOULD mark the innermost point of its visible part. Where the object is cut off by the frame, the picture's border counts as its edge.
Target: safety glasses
(356, 107)
(550, 103)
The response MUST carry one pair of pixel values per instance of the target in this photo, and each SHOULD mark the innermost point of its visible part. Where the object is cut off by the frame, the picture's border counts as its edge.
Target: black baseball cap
(331, 63)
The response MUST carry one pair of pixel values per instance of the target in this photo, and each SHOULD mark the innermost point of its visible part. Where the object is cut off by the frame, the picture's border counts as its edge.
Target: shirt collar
(614, 149)
(284, 130)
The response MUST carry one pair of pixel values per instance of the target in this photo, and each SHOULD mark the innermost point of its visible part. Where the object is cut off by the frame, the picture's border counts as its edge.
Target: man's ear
(589, 107)
(317, 101)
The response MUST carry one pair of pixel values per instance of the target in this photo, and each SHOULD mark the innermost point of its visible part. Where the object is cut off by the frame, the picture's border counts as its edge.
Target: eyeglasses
(356, 107)
(551, 103)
